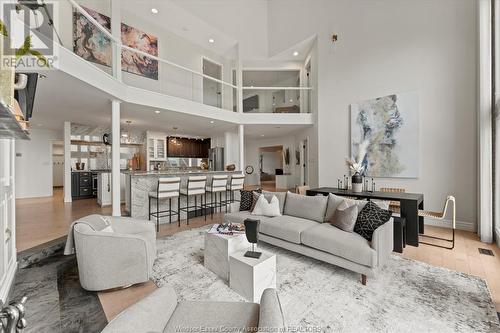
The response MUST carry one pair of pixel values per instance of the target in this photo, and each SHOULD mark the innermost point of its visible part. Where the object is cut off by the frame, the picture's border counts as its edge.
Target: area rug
(407, 296)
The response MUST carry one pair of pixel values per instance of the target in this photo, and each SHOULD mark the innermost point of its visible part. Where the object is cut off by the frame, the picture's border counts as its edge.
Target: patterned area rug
(407, 296)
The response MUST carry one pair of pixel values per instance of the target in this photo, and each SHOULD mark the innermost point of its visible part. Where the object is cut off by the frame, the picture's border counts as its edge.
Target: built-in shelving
(10, 128)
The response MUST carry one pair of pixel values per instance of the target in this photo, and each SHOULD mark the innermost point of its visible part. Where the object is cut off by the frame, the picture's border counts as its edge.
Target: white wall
(385, 47)
(34, 164)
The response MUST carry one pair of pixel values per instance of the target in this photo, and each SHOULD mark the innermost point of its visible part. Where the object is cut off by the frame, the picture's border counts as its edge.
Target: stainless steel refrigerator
(216, 159)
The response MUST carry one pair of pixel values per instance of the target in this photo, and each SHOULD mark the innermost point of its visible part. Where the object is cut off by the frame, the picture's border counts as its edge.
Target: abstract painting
(88, 41)
(386, 128)
(93, 45)
(136, 63)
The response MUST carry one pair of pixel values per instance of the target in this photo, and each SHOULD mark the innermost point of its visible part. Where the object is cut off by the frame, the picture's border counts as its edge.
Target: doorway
(212, 90)
(304, 166)
(270, 166)
(57, 164)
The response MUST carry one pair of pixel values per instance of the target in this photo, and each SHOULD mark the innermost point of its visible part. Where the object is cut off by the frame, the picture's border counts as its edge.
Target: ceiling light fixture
(157, 111)
(262, 135)
(295, 53)
(154, 10)
(211, 121)
(211, 40)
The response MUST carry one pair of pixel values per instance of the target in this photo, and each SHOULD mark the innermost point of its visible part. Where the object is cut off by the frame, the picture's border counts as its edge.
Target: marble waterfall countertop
(178, 172)
(139, 184)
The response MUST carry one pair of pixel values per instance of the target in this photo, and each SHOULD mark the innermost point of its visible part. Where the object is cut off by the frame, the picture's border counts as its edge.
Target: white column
(116, 20)
(485, 218)
(67, 161)
(115, 157)
(241, 137)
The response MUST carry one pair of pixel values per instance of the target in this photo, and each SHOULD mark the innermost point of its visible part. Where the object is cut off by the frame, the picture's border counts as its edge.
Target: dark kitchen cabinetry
(185, 147)
(81, 185)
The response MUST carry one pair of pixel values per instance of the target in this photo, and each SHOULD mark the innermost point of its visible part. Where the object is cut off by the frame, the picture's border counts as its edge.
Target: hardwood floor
(42, 219)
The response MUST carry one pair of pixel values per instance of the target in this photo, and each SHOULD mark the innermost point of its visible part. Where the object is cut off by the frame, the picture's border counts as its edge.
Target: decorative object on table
(369, 219)
(204, 165)
(249, 170)
(441, 216)
(247, 199)
(227, 228)
(373, 186)
(230, 167)
(93, 45)
(252, 233)
(356, 166)
(297, 157)
(390, 126)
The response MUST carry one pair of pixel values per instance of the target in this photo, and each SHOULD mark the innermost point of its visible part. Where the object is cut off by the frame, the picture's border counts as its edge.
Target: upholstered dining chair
(441, 216)
(394, 206)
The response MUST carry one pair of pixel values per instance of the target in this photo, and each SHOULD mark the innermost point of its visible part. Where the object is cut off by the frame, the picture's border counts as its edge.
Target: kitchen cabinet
(81, 185)
(156, 148)
(187, 148)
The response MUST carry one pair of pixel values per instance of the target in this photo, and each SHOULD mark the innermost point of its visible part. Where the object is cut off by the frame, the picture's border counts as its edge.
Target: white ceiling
(60, 97)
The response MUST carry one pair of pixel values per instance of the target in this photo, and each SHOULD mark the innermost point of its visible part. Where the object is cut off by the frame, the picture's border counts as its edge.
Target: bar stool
(195, 187)
(167, 188)
(441, 216)
(236, 183)
(218, 184)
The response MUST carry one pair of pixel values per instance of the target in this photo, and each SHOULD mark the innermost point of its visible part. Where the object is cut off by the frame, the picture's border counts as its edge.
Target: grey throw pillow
(345, 217)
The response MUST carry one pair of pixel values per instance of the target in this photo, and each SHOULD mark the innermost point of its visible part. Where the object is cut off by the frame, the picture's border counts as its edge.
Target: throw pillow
(265, 208)
(108, 229)
(345, 216)
(246, 199)
(370, 218)
(333, 203)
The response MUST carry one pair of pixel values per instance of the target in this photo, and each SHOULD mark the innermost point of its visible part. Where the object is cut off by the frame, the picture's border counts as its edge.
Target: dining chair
(441, 216)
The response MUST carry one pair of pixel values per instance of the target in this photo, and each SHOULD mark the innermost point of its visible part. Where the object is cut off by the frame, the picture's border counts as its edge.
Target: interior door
(212, 90)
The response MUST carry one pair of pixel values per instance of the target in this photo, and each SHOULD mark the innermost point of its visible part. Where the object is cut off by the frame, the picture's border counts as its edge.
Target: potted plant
(357, 167)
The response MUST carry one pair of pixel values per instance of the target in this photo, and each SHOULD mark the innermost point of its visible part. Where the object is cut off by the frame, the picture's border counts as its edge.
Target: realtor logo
(29, 36)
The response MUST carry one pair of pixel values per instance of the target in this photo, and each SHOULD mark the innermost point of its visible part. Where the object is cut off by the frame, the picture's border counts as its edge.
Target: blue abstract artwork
(385, 131)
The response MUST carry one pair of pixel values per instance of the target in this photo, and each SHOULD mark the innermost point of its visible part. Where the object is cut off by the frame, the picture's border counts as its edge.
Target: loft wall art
(93, 45)
(386, 129)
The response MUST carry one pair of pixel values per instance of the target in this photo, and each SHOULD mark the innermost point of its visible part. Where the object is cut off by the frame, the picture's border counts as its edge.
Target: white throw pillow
(265, 208)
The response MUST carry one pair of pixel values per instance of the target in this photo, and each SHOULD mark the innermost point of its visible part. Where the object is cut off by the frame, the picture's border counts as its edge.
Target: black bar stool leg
(169, 210)
(149, 209)
(179, 210)
(157, 214)
(205, 206)
(187, 210)
(195, 205)
(211, 205)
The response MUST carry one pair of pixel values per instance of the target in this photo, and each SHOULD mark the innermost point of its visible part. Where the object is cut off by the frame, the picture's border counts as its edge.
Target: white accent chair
(119, 257)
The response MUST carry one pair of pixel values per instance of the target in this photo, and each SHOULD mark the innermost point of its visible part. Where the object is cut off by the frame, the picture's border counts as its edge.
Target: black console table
(410, 204)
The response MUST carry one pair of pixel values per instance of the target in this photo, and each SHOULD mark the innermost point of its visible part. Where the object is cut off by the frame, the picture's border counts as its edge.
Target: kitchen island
(138, 184)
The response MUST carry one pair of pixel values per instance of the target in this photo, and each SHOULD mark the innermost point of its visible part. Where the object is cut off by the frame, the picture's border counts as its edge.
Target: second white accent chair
(168, 188)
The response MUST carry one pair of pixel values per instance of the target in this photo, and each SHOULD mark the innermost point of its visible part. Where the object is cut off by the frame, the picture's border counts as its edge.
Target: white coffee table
(219, 247)
(249, 277)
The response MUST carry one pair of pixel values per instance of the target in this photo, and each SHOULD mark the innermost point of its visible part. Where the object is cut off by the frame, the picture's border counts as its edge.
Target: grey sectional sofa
(302, 229)
(160, 312)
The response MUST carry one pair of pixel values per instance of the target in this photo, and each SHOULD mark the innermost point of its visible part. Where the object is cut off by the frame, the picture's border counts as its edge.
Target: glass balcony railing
(276, 99)
(139, 64)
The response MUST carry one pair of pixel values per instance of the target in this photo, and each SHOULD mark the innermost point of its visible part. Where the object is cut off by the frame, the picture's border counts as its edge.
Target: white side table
(249, 277)
(218, 247)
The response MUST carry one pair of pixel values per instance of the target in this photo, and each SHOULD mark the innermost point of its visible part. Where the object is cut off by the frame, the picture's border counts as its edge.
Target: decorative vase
(357, 182)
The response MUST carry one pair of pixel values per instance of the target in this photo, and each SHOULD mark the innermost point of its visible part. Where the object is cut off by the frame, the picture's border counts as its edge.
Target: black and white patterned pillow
(370, 218)
(246, 199)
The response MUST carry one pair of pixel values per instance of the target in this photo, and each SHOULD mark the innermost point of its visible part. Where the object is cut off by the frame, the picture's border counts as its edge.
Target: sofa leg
(363, 279)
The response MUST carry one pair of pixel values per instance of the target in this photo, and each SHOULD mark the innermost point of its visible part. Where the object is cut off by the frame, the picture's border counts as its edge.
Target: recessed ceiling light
(211, 40)
(157, 111)
(295, 53)
(262, 135)
(154, 10)
(211, 121)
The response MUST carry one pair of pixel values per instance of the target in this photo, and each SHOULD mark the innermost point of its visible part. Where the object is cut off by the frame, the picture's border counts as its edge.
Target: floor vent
(486, 252)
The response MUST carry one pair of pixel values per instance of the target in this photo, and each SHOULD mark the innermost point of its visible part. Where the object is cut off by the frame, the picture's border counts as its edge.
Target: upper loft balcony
(175, 66)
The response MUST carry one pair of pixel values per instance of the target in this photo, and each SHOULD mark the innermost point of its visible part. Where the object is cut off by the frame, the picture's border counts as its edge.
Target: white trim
(276, 88)
(8, 280)
(461, 225)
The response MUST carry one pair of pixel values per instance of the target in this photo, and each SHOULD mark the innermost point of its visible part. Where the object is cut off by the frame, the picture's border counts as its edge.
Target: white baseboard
(8, 281)
(461, 225)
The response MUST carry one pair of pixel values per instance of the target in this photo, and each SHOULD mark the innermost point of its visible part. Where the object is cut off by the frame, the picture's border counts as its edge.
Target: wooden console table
(410, 204)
